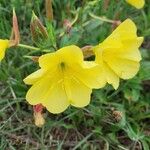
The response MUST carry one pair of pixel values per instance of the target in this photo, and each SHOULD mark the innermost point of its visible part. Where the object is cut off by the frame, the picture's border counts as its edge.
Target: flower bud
(33, 58)
(117, 115)
(67, 25)
(38, 117)
(38, 31)
(15, 37)
(87, 51)
(49, 10)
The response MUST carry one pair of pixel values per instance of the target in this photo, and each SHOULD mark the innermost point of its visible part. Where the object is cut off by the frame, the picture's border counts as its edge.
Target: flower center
(62, 65)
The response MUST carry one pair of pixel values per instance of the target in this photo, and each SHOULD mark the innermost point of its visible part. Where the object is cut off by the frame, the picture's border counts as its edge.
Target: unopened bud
(106, 4)
(15, 37)
(38, 31)
(38, 116)
(39, 119)
(87, 51)
(115, 24)
(117, 115)
(34, 58)
(67, 25)
(49, 10)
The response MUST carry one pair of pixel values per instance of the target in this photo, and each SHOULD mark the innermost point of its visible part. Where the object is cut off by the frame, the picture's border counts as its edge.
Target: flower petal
(3, 45)
(56, 100)
(137, 3)
(48, 61)
(34, 77)
(77, 92)
(89, 74)
(70, 54)
(125, 29)
(50, 92)
(111, 76)
(124, 68)
(128, 51)
(36, 94)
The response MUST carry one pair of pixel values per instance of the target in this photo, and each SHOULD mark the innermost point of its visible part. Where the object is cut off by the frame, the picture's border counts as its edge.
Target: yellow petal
(50, 92)
(56, 100)
(120, 35)
(78, 93)
(107, 74)
(36, 94)
(89, 74)
(130, 50)
(48, 61)
(125, 29)
(34, 77)
(124, 68)
(111, 76)
(70, 54)
(113, 41)
(137, 3)
(3, 46)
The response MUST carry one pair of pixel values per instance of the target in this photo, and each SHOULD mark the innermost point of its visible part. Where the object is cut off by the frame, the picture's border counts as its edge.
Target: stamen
(62, 64)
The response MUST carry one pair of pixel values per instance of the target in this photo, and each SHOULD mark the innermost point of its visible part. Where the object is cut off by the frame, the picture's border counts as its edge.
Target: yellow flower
(64, 79)
(137, 3)
(118, 56)
(4, 44)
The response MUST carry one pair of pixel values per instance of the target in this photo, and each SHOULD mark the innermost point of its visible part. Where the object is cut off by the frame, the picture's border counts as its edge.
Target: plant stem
(102, 18)
(28, 47)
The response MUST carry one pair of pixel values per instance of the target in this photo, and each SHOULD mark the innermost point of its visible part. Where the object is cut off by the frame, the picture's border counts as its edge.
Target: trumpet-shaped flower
(137, 3)
(63, 79)
(4, 44)
(118, 56)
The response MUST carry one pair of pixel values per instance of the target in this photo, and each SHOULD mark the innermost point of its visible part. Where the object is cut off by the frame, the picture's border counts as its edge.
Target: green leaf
(51, 33)
(93, 24)
(132, 94)
(72, 38)
(145, 145)
(145, 71)
(134, 133)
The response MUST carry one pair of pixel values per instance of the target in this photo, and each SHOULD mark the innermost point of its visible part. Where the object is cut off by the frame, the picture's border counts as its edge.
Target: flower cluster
(64, 78)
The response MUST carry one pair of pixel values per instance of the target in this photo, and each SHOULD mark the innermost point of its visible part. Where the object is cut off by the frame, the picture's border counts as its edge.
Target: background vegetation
(115, 120)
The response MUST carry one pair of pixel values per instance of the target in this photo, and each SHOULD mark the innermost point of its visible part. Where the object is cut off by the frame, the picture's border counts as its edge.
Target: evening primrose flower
(4, 44)
(136, 3)
(64, 79)
(118, 56)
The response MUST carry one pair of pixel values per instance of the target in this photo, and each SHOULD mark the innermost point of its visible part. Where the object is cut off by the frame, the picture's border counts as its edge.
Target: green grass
(115, 120)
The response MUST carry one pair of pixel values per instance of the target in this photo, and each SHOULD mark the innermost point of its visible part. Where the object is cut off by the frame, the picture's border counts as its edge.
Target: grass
(115, 120)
